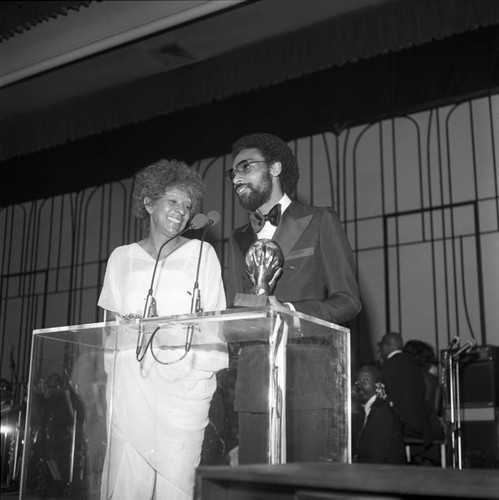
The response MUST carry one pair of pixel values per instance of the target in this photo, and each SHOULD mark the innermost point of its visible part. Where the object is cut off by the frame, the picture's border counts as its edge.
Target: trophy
(264, 260)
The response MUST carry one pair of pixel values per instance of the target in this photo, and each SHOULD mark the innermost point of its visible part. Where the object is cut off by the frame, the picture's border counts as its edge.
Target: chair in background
(413, 446)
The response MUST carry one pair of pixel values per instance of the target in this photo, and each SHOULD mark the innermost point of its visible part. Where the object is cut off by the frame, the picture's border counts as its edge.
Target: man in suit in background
(318, 278)
(405, 387)
(380, 440)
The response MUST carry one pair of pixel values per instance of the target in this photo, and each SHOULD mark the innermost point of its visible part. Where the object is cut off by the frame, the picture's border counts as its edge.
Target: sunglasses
(243, 168)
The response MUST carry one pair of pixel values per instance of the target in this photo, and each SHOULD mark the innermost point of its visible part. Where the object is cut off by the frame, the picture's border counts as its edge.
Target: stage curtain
(391, 28)
(17, 17)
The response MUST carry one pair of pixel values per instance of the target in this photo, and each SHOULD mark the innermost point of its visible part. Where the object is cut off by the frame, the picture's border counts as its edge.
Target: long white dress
(159, 412)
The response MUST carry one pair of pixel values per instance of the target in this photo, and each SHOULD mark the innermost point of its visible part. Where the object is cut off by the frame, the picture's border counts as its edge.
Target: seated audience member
(405, 388)
(380, 440)
(424, 357)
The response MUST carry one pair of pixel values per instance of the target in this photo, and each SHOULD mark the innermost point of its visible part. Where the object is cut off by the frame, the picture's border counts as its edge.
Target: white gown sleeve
(110, 293)
(211, 284)
(214, 357)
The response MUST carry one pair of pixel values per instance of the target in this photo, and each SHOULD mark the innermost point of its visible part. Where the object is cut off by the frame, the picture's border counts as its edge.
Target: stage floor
(332, 481)
(251, 482)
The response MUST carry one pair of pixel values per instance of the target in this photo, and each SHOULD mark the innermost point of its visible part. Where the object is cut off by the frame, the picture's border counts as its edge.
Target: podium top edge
(226, 315)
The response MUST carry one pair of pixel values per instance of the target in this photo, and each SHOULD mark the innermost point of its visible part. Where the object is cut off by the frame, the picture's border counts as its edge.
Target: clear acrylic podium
(71, 389)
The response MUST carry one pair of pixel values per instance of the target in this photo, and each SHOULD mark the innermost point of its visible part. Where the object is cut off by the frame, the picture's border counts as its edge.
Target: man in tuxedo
(405, 387)
(318, 278)
(380, 440)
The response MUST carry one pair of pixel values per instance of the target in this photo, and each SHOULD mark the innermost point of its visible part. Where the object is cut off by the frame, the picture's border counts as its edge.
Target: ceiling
(89, 92)
(111, 43)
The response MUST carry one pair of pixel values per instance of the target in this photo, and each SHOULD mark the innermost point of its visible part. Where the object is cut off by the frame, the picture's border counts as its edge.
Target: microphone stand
(150, 310)
(212, 219)
(451, 367)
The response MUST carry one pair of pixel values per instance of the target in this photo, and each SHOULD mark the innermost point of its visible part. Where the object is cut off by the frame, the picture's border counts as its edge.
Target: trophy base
(248, 300)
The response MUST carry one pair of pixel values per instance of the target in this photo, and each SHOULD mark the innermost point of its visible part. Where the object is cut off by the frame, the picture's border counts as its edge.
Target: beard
(258, 194)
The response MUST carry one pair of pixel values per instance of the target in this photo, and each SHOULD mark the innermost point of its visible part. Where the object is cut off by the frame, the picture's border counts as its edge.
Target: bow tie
(257, 219)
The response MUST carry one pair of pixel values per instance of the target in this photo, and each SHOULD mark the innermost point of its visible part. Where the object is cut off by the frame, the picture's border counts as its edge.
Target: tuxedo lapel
(292, 226)
(245, 238)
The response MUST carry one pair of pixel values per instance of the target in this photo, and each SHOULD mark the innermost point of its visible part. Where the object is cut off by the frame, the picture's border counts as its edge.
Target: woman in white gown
(160, 411)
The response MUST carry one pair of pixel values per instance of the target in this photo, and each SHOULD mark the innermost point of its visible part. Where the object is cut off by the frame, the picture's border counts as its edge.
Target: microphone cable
(198, 221)
(212, 218)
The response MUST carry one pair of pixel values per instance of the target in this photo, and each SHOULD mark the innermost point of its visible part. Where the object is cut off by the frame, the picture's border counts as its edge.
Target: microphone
(467, 346)
(211, 219)
(197, 222)
(150, 311)
(447, 356)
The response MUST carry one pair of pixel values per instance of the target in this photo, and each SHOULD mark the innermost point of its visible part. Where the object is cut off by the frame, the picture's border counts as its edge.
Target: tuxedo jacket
(380, 441)
(319, 279)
